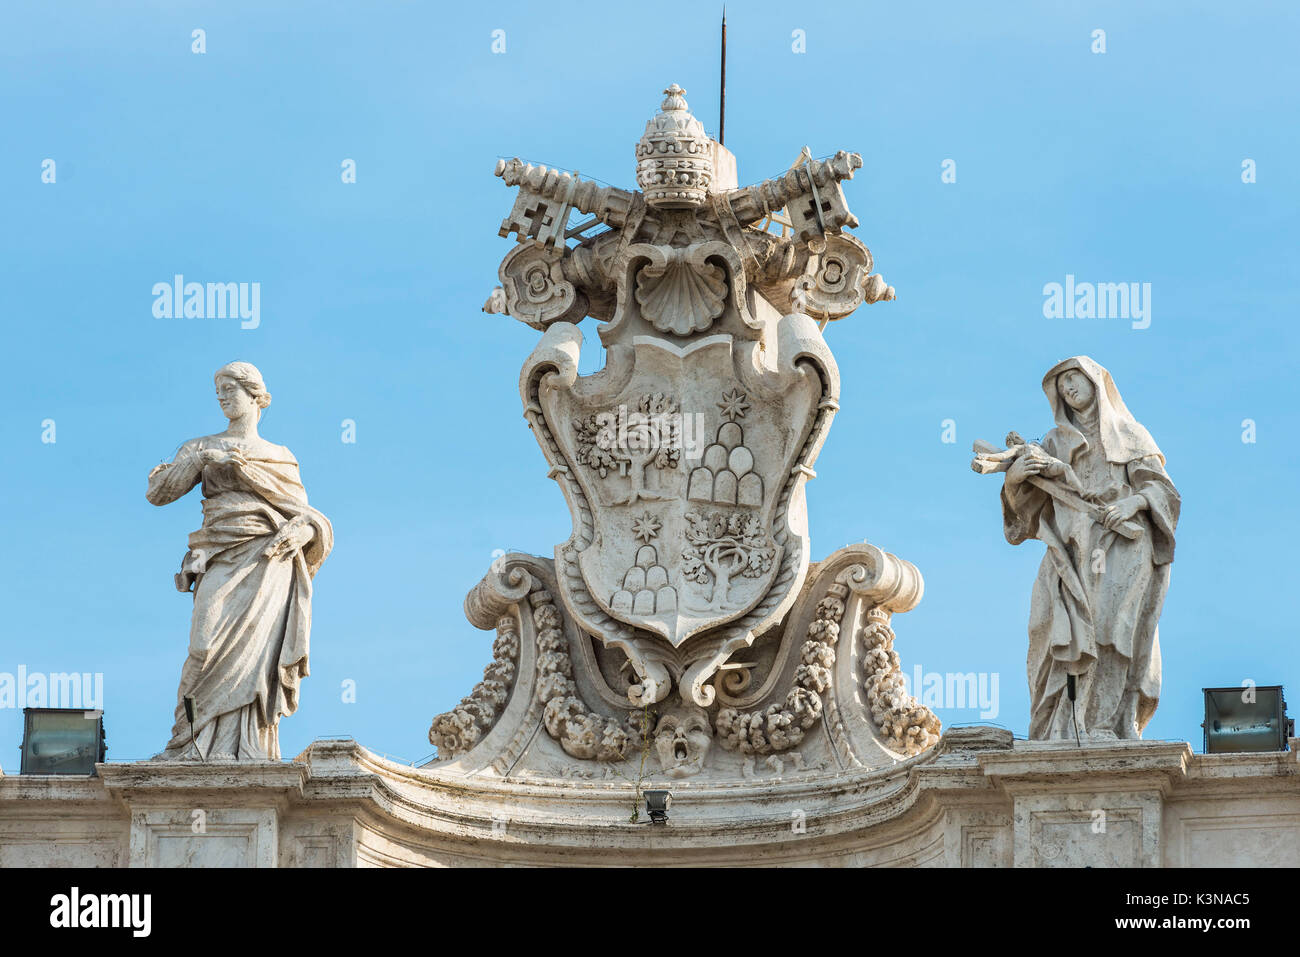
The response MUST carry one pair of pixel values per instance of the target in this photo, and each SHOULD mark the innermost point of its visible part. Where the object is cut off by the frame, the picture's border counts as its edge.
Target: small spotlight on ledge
(1244, 719)
(657, 804)
(62, 741)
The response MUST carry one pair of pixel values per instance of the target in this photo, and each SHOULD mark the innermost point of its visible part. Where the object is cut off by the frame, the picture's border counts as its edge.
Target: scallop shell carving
(681, 298)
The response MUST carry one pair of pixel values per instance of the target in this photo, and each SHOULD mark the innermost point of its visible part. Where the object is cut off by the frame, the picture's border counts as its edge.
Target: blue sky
(225, 166)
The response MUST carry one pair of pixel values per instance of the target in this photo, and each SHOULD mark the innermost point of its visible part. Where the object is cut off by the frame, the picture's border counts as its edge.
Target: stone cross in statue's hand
(1064, 487)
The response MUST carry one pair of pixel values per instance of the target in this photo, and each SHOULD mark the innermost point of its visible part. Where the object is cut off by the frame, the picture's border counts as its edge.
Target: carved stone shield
(685, 455)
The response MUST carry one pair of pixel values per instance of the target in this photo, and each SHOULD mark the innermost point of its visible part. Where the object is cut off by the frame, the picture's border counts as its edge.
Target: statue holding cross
(1096, 493)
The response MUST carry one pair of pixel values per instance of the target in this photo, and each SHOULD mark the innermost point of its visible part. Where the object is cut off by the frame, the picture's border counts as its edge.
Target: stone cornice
(1110, 766)
(948, 804)
(248, 782)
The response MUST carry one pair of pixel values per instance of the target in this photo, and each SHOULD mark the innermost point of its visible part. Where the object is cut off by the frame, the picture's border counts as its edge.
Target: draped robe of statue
(1098, 595)
(252, 614)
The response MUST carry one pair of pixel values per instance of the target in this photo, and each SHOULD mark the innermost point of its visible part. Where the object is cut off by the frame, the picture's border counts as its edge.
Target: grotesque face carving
(682, 740)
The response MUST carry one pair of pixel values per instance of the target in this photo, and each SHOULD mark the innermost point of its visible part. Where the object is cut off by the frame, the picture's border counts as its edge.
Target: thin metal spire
(722, 84)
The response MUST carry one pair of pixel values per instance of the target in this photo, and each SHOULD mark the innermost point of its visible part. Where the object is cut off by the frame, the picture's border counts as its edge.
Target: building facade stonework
(684, 638)
(977, 799)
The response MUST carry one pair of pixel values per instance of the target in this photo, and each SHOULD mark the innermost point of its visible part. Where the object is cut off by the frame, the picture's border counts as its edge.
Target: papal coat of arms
(685, 585)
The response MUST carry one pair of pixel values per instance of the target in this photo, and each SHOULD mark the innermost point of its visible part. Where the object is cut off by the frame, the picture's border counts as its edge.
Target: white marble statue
(1096, 493)
(250, 568)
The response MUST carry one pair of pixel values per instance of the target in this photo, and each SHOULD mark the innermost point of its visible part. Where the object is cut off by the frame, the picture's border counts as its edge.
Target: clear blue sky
(225, 166)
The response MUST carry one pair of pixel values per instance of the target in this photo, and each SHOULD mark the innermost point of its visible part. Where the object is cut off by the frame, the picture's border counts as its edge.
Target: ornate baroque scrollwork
(491, 601)
(456, 731)
(882, 583)
(684, 553)
(783, 726)
(836, 280)
(908, 726)
(568, 720)
(536, 291)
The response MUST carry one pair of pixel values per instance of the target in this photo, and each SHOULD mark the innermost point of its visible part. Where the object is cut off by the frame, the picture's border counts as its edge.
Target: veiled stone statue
(250, 568)
(1096, 493)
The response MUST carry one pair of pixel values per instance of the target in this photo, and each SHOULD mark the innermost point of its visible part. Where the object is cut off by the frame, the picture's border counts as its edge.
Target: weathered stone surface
(682, 630)
(1096, 493)
(965, 803)
(250, 568)
(682, 638)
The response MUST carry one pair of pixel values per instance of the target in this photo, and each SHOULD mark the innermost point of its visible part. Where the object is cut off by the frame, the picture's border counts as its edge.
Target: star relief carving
(733, 405)
(645, 527)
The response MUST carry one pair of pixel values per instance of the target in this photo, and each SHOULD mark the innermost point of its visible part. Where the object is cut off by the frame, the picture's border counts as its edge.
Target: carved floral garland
(456, 731)
(783, 726)
(580, 732)
(908, 726)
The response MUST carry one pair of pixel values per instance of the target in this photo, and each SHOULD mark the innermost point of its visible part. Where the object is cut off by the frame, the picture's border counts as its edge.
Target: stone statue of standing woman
(1096, 493)
(250, 568)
